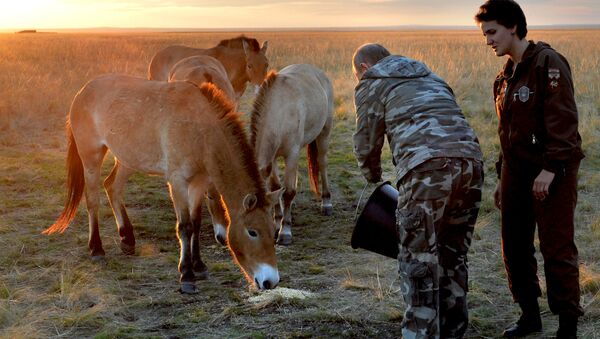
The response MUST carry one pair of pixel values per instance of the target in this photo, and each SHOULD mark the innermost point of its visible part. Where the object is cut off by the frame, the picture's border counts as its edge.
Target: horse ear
(249, 202)
(275, 196)
(264, 47)
(246, 47)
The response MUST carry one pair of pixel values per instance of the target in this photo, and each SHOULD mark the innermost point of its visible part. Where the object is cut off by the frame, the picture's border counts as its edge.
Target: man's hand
(372, 177)
(541, 185)
(372, 180)
(498, 196)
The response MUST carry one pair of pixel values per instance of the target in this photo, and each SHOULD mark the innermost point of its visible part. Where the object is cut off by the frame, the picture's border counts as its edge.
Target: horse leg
(322, 148)
(196, 193)
(178, 187)
(219, 215)
(114, 185)
(92, 164)
(274, 185)
(290, 181)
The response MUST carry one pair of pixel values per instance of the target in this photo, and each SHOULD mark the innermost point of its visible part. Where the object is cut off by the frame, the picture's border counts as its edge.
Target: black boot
(529, 322)
(567, 327)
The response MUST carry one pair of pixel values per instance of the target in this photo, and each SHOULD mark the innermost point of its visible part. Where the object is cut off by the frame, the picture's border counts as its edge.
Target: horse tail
(312, 155)
(75, 186)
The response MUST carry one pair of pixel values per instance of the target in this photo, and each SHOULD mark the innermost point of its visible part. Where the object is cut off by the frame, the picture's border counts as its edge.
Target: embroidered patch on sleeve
(553, 76)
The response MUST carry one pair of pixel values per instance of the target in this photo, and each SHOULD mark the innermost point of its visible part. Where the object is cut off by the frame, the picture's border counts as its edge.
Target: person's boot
(567, 327)
(529, 322)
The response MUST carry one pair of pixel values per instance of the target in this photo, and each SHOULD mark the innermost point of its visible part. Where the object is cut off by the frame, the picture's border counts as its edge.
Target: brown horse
(192, 136)
(293, 109)
(199, 69)
(243, 58)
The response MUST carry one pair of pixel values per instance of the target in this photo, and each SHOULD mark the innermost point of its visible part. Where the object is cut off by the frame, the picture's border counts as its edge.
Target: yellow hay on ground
(280, 293)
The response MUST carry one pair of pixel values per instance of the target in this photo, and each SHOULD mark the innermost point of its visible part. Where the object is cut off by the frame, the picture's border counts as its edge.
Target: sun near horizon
(214, 14)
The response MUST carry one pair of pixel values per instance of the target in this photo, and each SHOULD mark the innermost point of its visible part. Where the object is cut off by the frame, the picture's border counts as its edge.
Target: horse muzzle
(266, 277)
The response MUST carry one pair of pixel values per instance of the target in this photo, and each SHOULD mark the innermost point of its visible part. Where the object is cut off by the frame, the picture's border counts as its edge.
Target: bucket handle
(359, 200)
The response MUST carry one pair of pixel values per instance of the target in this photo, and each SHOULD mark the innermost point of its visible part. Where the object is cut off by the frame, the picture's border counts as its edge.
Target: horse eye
(249, 66)
(252, 233)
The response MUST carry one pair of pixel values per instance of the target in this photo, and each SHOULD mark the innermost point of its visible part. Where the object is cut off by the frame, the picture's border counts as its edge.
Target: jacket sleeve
(559, 113)
(369, 135)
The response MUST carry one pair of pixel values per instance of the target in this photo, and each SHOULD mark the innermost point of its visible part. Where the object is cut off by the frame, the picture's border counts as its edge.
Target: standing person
(541, 151)
(439, 176)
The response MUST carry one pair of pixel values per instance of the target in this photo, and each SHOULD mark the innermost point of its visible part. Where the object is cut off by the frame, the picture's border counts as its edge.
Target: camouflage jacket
(416, 109)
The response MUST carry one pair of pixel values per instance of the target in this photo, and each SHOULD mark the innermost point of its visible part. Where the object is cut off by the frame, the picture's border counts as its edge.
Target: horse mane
(232, 122)
(258, 105)
(237, 43)
(217, 99)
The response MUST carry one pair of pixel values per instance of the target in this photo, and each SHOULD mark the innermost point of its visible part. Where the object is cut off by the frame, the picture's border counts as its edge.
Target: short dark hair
(507, 13)
(370, 53)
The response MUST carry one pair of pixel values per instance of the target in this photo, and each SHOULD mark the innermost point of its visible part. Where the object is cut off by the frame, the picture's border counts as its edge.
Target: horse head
(257, 63)
(251, 240)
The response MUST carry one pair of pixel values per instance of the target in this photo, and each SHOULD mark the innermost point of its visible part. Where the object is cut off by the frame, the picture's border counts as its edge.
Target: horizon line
(270, 29)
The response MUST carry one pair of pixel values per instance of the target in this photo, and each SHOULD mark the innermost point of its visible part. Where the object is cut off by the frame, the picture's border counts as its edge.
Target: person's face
(498, 37)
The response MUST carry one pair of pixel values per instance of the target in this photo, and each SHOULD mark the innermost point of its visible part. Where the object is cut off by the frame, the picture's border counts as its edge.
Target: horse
(199, 69)
(191, 136)
(293, 109)
(243, 58)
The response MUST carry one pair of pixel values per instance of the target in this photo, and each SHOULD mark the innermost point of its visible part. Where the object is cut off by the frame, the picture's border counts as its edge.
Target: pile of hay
(280, 293)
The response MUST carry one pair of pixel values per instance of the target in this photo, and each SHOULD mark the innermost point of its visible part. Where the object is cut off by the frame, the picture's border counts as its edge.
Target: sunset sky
(49, 14)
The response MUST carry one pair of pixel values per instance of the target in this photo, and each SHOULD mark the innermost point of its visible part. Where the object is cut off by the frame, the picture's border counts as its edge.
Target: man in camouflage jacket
(438, 165)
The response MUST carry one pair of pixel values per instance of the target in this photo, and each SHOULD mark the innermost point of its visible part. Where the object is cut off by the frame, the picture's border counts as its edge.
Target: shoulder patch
(553, 78)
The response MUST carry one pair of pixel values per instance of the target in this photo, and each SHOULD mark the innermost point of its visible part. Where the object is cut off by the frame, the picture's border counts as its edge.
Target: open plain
(49, 287)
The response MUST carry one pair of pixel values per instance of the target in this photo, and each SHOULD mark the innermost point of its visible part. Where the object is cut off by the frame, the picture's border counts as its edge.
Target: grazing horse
(199, 69)
(293, 109)
(243, 58)
(190, 135)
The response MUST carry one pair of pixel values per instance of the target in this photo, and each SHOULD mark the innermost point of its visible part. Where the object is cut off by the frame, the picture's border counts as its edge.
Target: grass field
(50, 288)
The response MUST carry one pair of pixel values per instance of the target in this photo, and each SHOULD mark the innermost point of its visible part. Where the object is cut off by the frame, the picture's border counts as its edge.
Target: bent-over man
(439, 175)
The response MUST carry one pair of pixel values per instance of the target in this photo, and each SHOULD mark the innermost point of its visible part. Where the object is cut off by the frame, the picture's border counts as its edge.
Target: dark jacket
(537, 111)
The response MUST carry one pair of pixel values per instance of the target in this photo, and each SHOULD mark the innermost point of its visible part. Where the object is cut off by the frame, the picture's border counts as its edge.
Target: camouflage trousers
(437, 210)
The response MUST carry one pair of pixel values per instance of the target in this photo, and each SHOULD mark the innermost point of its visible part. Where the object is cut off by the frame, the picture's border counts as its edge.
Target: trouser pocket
(418, 281)
(411, 230)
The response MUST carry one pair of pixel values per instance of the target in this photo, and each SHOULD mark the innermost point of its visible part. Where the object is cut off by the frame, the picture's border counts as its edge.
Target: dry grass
(50, 288)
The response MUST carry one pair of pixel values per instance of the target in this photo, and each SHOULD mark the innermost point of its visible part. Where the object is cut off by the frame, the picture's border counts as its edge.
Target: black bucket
(375, 228)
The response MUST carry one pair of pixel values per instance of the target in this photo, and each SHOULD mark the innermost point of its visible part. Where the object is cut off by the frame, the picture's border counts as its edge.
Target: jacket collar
(530, 51)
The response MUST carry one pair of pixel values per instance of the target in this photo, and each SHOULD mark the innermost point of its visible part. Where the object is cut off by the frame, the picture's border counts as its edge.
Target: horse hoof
(201, 275)
(99, 259)
(188, 287)
(284, 239)
(327, 210)
(127, 249)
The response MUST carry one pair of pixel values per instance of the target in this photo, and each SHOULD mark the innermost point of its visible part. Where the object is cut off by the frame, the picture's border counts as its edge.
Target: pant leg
(454, 234)
(518, 231)
(420, 204)
(422, 216)
(555, 217)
